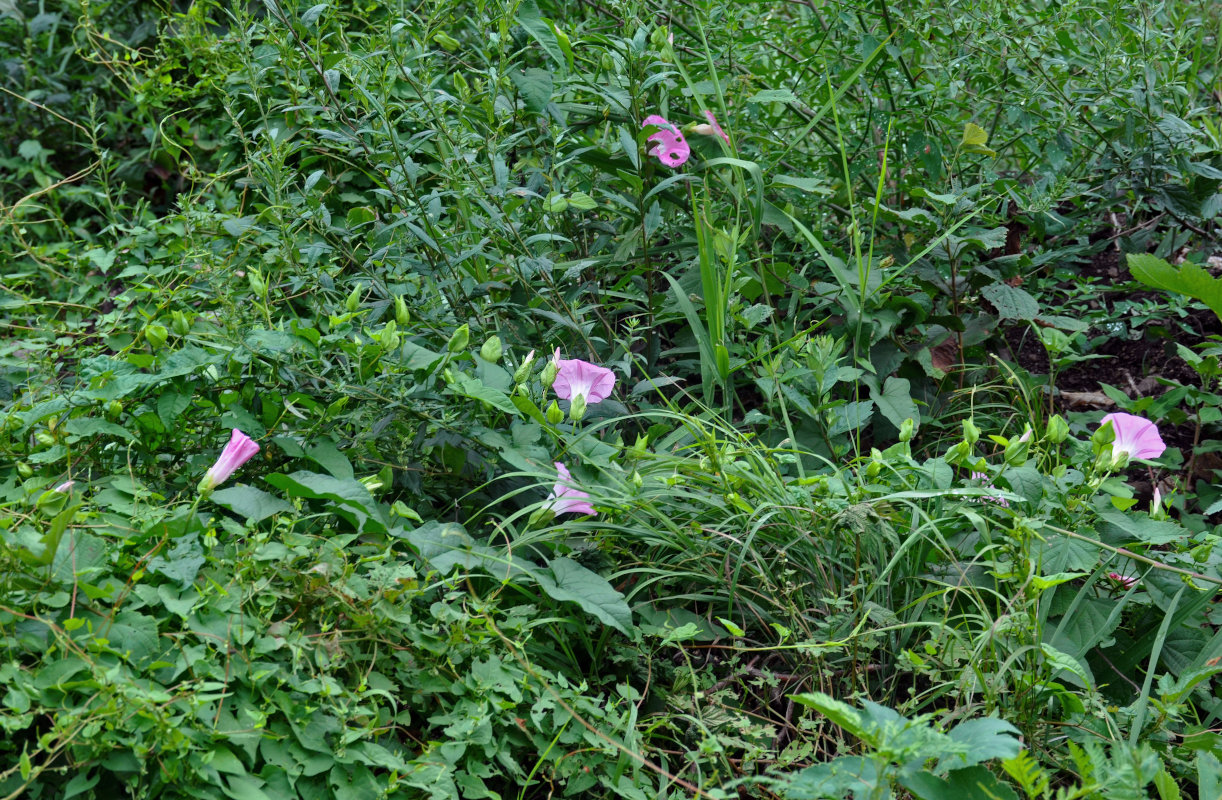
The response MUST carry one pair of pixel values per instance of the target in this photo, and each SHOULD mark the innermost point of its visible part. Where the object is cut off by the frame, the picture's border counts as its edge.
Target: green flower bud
(907, 429)
(113, 409)
(492, 350)
(971, 434)
(548, 376)
(577, 408)
(402, 316)
(156, 335)
(554, 415)
(255, 279)
(180, 324)
(873, 468)
(1057, 429)
(1017, 451)
(458, 342)
(637, 480)
(45, 438)
(523, 372)
(354, 300)
(390, 336)
(25, 470)
(959, 452)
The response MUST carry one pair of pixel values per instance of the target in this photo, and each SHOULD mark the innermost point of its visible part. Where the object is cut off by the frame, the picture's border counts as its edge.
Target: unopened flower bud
(548, 376)
(113, 409)
(1057, 429)
(390, 336)
(458, 342)
(523, 371)
(492, 350)
(255, 280)
(907, 429)
(156, 334)
(971, 434)
(402, 315)
(24, 470)
(554, 415)
(354, 300)
(179, 323)
(637, 480)
(1016, 452)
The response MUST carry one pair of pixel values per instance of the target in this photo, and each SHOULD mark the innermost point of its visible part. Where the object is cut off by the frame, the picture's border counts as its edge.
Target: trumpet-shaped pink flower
(671, 148)
(576, 377)
(712, 127)
(1136, 436)
(1126, 581)
(241, 448)
(65, 487)
(567, 499)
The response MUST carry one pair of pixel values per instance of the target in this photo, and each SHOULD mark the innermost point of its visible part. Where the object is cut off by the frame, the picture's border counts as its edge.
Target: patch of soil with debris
(1132, 365)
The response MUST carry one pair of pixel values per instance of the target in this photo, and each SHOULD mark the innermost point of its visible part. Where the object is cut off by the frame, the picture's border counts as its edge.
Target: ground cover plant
(515, 398)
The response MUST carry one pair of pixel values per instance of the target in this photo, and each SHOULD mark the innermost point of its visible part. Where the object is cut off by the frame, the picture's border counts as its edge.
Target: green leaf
(973, 134)
(1063, 661)
(132, 633)
(1121, 528)
(535, 85)
(836, 778)
(86, 427)
(971, 783)
(182, 562)
(568, 581)
(254, 504)
(532, 21)
(840, 713)
(467, 386)
(773, 96)
(895, 402)
(349, 498)
(1011, 302)
(1188, 279)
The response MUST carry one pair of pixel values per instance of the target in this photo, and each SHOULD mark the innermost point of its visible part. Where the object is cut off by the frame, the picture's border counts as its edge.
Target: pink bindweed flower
(671, 148)
(241, 448)
(712, 128)
(984, 481)
(566, 499)
(1136, 437)
(575, 377)
(1126, 581)
(65, 487)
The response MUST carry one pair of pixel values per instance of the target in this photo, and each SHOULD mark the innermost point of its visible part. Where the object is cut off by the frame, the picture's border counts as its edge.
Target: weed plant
(842, 543)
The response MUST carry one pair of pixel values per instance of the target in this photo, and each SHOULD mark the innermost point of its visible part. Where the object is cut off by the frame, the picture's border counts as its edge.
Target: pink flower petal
(576, 377)
(716, 128)
(984, 481)
(241, 448)
(671, 148)
(565, 499)
(1136, 436)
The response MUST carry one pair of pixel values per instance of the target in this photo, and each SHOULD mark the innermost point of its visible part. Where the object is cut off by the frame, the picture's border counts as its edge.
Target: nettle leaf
(350, 499)
(535, 85)
(836, 778)
(132, 633)
(568, 581)
(1128, 528)
(182, 562)
(969, 783)
(254, 504)
(895, 402)
(1011, 302)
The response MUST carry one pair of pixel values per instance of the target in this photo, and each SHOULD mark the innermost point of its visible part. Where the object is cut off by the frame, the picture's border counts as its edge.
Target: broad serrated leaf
(254, 504)
(566, 580)
(1011, 302)
(895, 402)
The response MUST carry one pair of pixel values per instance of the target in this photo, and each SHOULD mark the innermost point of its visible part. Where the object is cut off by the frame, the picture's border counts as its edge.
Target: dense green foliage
(847, 543)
